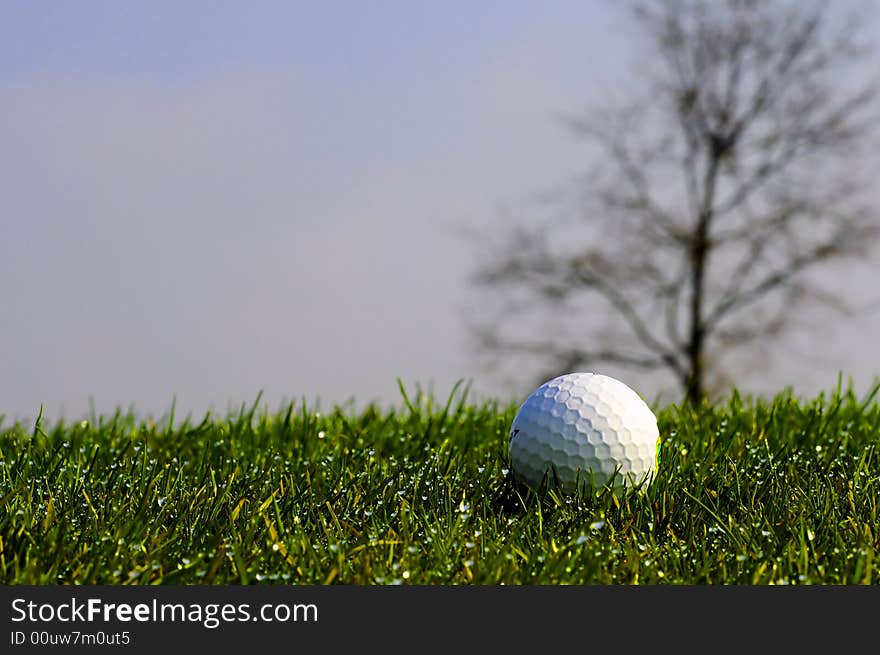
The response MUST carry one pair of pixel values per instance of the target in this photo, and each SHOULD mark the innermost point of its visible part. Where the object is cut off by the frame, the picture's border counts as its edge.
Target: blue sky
(204, 200)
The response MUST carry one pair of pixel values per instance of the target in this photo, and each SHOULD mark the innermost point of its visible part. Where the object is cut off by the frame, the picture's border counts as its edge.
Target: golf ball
(584, 429)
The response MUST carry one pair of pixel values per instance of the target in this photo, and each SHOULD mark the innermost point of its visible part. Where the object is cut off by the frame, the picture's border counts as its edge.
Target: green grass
(749, 491)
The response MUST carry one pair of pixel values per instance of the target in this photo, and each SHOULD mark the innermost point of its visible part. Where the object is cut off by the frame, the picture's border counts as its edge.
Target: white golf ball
(584, 429)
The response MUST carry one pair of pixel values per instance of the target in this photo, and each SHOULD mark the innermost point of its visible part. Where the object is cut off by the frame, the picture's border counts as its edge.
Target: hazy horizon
(205, 201)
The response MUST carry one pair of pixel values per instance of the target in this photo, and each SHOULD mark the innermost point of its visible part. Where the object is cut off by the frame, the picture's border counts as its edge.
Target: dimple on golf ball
(584, 429)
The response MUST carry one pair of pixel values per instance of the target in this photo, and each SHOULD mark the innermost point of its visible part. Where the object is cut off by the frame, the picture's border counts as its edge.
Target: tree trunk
(695, 386)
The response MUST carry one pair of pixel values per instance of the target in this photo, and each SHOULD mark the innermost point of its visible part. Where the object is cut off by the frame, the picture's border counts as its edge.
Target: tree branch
(830, 248)
(576, 356)
(582, 272)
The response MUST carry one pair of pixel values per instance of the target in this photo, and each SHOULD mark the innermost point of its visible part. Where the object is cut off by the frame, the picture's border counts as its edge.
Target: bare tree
(716, 197)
